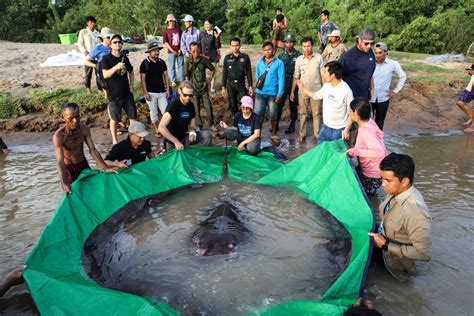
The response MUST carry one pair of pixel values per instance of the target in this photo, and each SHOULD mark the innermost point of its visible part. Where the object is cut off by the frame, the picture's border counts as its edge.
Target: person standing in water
(68, 143)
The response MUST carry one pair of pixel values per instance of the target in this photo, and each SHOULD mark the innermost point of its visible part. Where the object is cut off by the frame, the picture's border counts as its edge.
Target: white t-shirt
(336, 102)
(471, 84)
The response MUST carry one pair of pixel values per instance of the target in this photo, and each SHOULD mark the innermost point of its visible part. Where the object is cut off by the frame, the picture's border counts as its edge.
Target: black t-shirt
(125, 151)
(154, 74)
(181, 116)
(118, 86)
(248, 126)
(358, 68)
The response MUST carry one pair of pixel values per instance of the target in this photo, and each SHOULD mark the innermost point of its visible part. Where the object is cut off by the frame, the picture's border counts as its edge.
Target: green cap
(290, 38)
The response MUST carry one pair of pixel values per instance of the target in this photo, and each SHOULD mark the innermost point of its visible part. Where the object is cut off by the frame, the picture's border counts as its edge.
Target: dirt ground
(420, 107)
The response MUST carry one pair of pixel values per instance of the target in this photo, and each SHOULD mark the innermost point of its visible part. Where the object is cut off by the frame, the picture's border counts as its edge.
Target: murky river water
(29, 193)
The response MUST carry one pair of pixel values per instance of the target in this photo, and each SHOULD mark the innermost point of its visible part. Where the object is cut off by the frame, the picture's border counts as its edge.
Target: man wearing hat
(382, 77)
(172, 41)
(132, 150)
(155, 84)
(334, 48)
(118, 75)
(86, 41)
(246, 128)
(191, 34)
(97, 53)
(359, 64)
(288, 57)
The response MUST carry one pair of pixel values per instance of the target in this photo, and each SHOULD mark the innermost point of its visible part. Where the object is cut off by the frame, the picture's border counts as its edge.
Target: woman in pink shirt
(369, 146)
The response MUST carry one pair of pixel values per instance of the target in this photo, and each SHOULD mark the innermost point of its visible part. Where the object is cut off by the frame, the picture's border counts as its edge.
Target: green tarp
(55, 274)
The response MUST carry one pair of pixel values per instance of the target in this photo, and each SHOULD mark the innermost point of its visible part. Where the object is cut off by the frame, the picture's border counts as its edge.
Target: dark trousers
(88, 71)
(380, 112)
(292, 104)
(235, 90)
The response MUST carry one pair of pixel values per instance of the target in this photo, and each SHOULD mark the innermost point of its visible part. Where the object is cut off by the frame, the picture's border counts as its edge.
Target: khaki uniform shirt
(309, 71)
(407, 225)
(333, 53)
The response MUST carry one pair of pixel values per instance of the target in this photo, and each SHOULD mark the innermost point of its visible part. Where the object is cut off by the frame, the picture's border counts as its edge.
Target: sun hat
(153, 46)
(138, 129)
(335, 33)
(105, 32)
(170, 17)
(247, 101)
(188, 18)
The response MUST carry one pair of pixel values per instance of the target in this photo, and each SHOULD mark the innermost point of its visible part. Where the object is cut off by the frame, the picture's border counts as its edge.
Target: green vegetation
(424, 26)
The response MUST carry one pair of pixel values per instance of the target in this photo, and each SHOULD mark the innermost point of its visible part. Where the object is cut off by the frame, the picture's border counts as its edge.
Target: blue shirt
(99, 52)
(187, 37)
(275, 81)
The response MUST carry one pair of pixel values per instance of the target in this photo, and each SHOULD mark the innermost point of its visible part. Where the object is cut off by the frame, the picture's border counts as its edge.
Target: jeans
(261, 102)
(252, 148)
(172, 61)
(327, 133)
(203, 137)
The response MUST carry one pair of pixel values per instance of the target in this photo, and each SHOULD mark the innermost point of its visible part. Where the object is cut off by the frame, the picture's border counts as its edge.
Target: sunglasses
(117, 42)
(368, 43)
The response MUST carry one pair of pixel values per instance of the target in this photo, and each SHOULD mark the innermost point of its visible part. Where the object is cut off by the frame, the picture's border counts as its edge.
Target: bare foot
(468, 122)
(301, 138)
(469, 129)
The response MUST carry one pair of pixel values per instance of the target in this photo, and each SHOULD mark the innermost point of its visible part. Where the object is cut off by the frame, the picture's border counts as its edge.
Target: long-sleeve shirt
(383, 78)
(407, 225)
(237, 68)
(87, 40)
(187, 37)
(275, 80)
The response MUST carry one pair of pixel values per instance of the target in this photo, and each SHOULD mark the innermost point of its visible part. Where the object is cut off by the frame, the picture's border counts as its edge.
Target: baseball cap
(381, 45)
(247, 101)
(138, 129)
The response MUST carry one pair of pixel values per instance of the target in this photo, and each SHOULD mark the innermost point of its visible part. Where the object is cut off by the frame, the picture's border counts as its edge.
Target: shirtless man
(68, 143)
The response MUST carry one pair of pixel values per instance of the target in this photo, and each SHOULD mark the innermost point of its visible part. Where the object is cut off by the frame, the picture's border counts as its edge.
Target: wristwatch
(385, 245)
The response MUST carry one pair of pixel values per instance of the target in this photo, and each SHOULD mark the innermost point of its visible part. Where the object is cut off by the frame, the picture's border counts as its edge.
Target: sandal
(275, 138)
(158, 135)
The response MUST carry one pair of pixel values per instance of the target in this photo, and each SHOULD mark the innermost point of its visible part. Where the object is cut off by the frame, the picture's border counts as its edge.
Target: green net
(55, 274)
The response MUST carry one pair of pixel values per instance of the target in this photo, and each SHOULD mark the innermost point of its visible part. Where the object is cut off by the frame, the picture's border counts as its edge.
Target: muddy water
(291, 252)
(29, 193)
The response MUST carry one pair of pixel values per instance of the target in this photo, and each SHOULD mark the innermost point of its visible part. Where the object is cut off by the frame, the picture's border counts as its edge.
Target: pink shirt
(370, 149)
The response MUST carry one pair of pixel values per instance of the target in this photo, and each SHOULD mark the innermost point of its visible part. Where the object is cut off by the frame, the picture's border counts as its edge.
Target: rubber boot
(291, 128)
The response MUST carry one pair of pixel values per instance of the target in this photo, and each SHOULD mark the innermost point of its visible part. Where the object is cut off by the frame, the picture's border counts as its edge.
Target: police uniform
(289, 61)
(234, 72)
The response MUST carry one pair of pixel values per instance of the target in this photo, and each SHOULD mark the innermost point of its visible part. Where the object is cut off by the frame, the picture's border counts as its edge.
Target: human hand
(110, 170)
(192, 136)
(241, 147)
(379, 240)
(168, 92)
(66, 187)
(223, 124)
(122, 164)
(352, 152)
(277, 99)
(6, 151)
(179, 146)
(345, 134)
(224, 92)
(299, 84)
(120, 66)
(250, 91)
(292, 97)
(15, 276)
(390, 94)
(147, 96)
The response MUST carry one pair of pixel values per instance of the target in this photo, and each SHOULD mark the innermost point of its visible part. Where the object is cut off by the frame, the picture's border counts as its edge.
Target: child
(246, 129)
(278, 35)
(336, 96)
(465, 98)
(369, 146)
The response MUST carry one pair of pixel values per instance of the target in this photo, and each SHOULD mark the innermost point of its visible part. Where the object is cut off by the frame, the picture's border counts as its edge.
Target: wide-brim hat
(170, 17)
(105, 32)
(188, 18)
(335, 33)
(153, 46)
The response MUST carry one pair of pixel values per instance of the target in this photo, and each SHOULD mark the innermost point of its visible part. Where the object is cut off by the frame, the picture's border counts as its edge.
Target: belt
(237, 81)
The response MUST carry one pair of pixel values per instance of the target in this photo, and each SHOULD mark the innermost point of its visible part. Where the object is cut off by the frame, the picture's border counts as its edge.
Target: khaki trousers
(305, 102)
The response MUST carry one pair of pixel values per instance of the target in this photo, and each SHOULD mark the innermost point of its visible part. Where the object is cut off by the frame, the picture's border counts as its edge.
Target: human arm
(166, 41)
(12, 278)
(94, 152)
(163, 129)
(248, 72)
(81, 42)
(212, 70)
(348, 99)
(254, 136)
(281, 79)
(284, 23)
(131, 76)
(402, 77)
(184, 47)
(374, 147)
(167, 83)
(61, 166)
(144, 87)
(108, 70)
(113, 158)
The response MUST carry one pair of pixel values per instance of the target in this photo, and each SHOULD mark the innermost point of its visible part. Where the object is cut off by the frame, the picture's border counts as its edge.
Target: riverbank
(426, 105)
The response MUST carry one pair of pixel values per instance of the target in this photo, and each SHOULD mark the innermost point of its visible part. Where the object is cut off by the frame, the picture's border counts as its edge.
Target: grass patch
(414, 66)
(12, 107)
(404, 55)
(431, 79)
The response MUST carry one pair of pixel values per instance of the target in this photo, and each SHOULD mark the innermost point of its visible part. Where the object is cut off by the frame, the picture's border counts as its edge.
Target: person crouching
(246, 128)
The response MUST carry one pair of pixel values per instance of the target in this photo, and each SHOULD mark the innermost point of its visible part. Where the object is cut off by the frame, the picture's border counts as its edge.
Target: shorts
(371, 185)
(116, 106)
(74, 170)
(466, 96)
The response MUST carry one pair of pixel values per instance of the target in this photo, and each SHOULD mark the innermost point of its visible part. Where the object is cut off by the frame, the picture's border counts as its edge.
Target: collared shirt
(187, 37)
(407, 225)
(196, 72)
(333, 53)
(309, 71)
(289, 61)
(237, 68)
(383, 77)
(87, 40)
(209, 45)
(275, 80)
